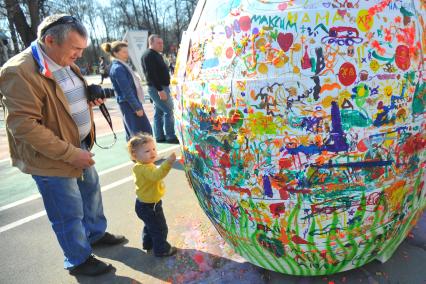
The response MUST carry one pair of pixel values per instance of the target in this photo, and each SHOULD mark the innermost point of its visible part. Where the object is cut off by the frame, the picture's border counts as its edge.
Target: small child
(149, 190)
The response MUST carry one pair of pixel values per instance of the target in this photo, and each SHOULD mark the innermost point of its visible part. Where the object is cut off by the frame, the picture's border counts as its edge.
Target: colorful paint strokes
(302, 125)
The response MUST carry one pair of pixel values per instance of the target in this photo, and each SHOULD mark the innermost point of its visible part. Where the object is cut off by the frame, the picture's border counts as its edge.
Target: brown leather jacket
(43, 138)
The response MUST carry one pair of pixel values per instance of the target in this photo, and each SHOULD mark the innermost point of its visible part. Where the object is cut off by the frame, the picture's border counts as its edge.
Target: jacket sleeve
(126, 86)
(25, 116)
(151, 67)
(153, 174)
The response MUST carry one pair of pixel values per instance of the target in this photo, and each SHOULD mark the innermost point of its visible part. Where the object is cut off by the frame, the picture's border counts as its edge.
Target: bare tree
(126, 14)
(155, 20)
(12, 31)
(15, 15)
(107, 19)
(135, 10)
(190, 7)
(177, 19)
(165, 17)
(146, 15)
(150, 12)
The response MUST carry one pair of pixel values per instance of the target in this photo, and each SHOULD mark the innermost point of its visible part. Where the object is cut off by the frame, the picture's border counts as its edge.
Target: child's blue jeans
(154, 234)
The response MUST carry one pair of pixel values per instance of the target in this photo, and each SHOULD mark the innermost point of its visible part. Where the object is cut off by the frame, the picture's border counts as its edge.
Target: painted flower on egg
(302, 125)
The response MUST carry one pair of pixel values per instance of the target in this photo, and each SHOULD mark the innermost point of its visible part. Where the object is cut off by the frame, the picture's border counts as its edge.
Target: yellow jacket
(149, 181)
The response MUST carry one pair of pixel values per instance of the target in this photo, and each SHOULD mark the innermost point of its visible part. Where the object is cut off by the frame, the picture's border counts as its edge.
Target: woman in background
(128, 89)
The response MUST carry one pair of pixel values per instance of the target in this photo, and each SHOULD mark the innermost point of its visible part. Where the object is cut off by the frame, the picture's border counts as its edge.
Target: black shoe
(109, 240)
(172, 141)
(160, 140)
(147, 247)
(91, 267)
(172, 251)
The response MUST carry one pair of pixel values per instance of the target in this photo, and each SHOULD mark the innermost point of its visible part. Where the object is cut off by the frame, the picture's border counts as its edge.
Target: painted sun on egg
(302, 126)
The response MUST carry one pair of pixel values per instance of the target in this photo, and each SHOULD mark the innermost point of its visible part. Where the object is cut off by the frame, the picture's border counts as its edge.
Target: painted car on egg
(302, 126)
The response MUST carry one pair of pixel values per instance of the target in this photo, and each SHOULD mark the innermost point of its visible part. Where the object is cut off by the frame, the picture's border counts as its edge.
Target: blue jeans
(154, 234)
(134, 124)
(74, 208)
(163, 114)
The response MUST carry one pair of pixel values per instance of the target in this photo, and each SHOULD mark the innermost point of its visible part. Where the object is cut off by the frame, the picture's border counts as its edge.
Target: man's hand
(171, 158)
(163, 95)
(139, 113)
(83, 160)
(97, 102)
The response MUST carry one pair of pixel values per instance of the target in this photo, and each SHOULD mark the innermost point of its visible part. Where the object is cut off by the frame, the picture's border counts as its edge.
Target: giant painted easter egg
(302, 126)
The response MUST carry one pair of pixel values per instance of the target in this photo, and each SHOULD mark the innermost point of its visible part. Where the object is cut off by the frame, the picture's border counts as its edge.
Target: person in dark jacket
(128, 89)
(103, 69)
(158, 77)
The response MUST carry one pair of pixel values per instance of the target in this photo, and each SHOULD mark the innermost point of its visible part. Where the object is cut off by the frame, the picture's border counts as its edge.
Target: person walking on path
(127, 86)
(149, 190)
(103, 69)
(158, 77)
(50, 131)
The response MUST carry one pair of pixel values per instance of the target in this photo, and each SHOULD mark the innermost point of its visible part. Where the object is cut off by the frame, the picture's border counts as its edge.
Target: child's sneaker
(171, 252)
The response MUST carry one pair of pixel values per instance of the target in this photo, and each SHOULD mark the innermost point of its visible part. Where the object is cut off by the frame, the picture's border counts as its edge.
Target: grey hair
(61, 31)
(152, 37)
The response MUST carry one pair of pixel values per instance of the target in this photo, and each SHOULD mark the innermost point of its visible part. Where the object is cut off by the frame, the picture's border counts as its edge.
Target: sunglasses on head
(60, 21)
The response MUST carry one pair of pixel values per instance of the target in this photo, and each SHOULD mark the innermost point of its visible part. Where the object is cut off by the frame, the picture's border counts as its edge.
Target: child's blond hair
(136, 141)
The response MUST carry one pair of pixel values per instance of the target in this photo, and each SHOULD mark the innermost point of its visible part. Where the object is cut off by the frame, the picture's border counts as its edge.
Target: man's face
(69, 51)
(157, 45)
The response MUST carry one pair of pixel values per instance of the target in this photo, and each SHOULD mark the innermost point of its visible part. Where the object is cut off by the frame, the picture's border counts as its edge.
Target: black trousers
(154, 234)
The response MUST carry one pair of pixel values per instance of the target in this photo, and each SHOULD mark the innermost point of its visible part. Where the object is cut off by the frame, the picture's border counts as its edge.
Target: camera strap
(107, 116)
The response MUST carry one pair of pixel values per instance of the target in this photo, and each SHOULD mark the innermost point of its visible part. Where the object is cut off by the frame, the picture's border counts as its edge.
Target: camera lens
(96, 92)
(108, 93)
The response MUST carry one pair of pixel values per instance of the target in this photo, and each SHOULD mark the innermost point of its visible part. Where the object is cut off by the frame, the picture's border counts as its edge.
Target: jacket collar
(40, 60)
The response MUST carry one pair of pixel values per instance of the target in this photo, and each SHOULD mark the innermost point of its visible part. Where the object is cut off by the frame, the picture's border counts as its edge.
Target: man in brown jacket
(50, 130)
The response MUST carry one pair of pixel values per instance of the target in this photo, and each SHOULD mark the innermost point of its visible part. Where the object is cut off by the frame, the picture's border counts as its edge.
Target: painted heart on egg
(285, 41)
(342, 12)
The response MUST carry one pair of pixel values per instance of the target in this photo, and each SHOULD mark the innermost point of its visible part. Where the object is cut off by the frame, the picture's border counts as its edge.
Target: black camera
(95, 92)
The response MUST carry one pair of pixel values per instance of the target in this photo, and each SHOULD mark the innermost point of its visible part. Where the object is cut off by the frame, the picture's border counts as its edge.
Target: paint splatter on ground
(205, 258)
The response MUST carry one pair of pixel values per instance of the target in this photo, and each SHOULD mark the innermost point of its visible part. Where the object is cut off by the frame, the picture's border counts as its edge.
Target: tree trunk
(156, 22)
(146, 15)
(106, 24)
(178, 25)
(124, 9)
(33, 8)
(95, 44)
(188, 10)
(135, 9)
(190, 6)
(15, 13)
(3, 53)
(95, 39)
(13, 35)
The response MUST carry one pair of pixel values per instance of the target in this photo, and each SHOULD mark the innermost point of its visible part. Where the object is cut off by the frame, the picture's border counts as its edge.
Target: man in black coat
(158, 78)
